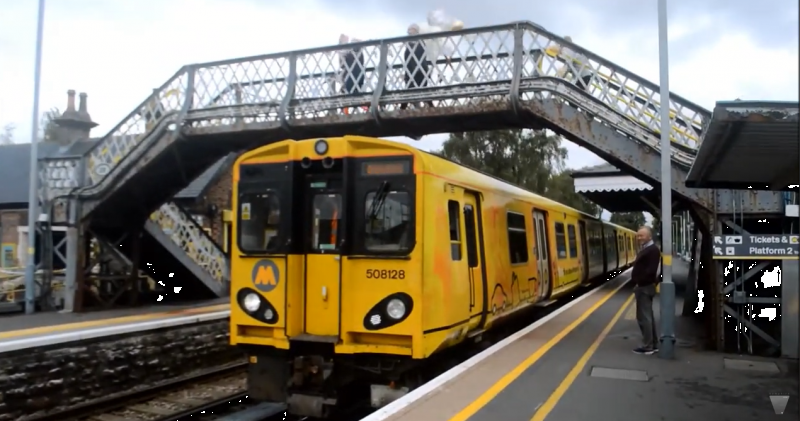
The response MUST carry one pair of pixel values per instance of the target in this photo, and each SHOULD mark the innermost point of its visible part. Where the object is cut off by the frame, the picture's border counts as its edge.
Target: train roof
(514, 189)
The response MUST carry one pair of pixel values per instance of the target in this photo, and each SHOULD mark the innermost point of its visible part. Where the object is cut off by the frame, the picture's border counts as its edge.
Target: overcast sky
(119, 50)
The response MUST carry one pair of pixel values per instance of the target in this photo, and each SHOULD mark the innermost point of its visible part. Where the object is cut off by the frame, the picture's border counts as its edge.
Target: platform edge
(80, 335)
(395, 407)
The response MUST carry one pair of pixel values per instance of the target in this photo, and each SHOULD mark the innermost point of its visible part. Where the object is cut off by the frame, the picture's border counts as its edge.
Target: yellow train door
(323, 217)
(542, 253)
(473, 236)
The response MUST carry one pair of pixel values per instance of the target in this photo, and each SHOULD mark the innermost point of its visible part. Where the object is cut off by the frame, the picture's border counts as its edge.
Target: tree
(529, 159)
(562, 189)
(630, 220)
(47, 124)
(47, 127)
(7, 136)
(522, 157)
(656, 226)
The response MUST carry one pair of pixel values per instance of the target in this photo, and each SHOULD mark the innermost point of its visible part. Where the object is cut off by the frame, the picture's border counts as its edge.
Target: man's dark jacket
(645, 268)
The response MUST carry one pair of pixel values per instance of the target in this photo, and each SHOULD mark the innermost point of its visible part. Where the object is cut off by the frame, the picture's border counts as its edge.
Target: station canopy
(749, 144)
(615, 191)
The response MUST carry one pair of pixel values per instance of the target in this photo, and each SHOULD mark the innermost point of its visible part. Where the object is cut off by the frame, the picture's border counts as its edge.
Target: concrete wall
(51, 379)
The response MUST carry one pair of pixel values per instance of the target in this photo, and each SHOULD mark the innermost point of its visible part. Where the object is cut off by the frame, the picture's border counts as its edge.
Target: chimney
(82, 111)
(70, 101)
(73, 125)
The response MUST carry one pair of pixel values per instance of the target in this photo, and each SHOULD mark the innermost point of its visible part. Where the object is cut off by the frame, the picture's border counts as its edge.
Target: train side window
(472, 242)
(517, 238)
(454, 216)
(630, 241)
(259, 218)
(561, 241)
(573, 243)
(597, 243)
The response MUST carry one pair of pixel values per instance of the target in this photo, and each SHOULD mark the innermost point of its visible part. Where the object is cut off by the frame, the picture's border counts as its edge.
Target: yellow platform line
(512, 375)
(562, 388)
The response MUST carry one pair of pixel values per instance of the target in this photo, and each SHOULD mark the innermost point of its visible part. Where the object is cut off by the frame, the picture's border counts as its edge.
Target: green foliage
(47, 126)
(630, 220)
(656, 225)
(561, 188)
(529, 159)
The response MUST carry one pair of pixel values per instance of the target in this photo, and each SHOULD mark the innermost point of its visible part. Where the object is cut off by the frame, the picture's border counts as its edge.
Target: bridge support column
(73, 264)
(752, 308)
(790, 307)
(691, 298)
(705, 276)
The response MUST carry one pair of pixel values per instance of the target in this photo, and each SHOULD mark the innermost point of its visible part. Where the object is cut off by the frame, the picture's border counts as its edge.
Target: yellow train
(343, 273)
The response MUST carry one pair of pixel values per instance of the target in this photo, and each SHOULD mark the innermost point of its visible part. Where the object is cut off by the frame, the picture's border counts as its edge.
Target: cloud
(769, 22)
(119, 51)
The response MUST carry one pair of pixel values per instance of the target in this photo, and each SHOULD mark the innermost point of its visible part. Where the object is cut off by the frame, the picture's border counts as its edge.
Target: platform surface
(579, 365)
(47, 323)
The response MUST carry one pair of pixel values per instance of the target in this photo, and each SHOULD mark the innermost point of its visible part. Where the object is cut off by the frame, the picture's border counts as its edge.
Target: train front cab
(325, 261)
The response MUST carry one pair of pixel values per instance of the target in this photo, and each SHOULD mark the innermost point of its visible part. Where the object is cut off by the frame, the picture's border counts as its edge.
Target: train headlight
(268, 314)
(251, 302)
(396, 309)
(321, 147)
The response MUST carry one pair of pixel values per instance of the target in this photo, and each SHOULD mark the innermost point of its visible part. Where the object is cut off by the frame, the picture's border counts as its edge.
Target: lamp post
(667, 348)
(33, 197)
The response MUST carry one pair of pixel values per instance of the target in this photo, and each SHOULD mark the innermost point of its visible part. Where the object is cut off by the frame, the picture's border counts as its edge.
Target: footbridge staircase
(497, 77)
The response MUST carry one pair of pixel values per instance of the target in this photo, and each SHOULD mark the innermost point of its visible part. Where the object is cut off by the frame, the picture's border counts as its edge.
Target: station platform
(51, 328)
(577, 364)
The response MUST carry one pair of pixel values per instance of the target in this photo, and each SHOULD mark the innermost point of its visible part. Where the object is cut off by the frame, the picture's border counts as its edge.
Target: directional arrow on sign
(717, 250)
(717, 239)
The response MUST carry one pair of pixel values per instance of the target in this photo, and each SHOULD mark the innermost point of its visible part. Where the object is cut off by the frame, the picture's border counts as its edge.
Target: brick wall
(9, 221)
(219, 194)
(46, 380)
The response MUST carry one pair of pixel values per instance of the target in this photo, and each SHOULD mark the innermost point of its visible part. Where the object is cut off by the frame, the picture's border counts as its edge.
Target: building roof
(15, 169)
(749, 144)
(604, 169)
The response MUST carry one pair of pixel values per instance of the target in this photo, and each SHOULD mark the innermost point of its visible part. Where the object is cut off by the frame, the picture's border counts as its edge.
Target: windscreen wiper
(378, 200)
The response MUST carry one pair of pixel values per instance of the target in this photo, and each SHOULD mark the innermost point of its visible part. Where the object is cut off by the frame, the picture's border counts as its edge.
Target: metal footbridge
(497, 77)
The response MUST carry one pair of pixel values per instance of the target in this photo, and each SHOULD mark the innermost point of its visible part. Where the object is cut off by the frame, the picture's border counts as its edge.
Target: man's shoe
(644, 351)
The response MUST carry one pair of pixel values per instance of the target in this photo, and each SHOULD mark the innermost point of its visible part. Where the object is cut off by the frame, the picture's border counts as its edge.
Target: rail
(182, 397)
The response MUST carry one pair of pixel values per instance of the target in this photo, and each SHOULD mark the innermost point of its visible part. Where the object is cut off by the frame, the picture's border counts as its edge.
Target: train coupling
(311, 371)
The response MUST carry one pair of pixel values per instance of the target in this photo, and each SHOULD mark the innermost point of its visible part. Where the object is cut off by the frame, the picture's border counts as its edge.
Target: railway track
(218, 394)
(207, 396)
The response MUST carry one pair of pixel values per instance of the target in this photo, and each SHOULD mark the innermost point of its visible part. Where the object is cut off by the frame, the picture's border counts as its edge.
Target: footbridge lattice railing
(370, 80)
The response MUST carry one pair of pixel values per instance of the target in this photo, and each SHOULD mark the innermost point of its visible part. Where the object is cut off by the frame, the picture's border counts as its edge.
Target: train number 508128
(385, 274)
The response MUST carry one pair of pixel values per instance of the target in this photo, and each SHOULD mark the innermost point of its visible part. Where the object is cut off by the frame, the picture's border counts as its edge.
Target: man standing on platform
(645, 277)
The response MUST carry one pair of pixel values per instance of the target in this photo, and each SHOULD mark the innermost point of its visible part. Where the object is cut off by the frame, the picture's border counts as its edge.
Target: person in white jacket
(576, 67)
(438, 47)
